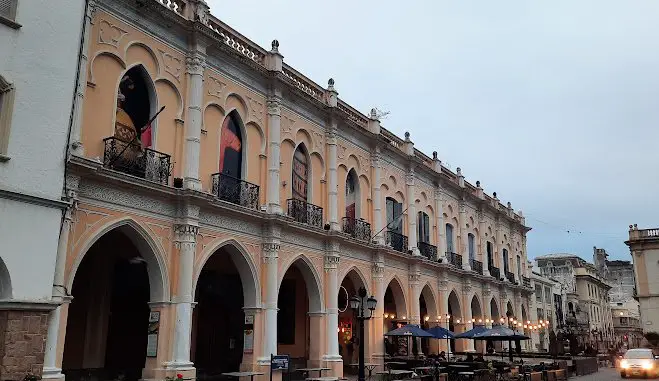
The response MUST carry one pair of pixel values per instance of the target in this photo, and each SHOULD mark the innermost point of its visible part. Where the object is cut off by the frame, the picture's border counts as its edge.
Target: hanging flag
(146, 136)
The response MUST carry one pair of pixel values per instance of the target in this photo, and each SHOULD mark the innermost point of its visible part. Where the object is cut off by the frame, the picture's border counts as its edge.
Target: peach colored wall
(114, 48)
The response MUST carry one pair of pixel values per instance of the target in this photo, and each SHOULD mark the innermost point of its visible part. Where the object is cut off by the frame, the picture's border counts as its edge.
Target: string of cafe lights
(535, 326)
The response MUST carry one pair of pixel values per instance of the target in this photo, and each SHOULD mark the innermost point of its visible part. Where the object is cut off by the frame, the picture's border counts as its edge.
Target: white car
(639, 362)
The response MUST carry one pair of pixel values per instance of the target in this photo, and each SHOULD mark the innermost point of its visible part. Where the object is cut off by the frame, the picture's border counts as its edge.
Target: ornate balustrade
(454, 259)
(510, 276)
(305, 212)
(495, 272)
(397, 241)
(357, 228)
(427, 250)
(526, 282)
(235, 191)
(132, 159)
(476, 266)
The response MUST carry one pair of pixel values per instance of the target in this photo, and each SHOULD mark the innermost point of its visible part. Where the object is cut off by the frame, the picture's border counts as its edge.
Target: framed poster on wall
(152, 335)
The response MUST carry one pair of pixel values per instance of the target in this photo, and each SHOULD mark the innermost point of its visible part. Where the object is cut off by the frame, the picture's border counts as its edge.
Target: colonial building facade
(225, 208)
(644, 249)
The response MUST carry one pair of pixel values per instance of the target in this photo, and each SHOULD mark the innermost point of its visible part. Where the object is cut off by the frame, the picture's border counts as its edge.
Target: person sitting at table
(480, 358)
(470, 357)
(442, 356)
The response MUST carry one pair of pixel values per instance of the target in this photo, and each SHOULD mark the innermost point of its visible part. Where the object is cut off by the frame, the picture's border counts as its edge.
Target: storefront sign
(248, 340)
(152, 335)
(280, 362)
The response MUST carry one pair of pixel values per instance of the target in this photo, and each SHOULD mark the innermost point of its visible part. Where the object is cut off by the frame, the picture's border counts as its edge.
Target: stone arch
(311, 280)
(234, 101)
(149, 51)
(152, 252)
(353, 178)
(5, 282)
(179, 98)
(244, 264)
(398, 292)
(259, 130)
(112, 55)
(302, 147)
(476, 310)
(353, 162)
(454, 304)
(510, 309)
(139, 71)
(356, 276)
(431, 299)
(495, 315)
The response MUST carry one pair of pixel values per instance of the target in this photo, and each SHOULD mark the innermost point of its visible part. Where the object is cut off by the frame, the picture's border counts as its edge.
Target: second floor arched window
(352, 195)
(423, 227)
(231, 147)
(394, 216)
(490, 259)
(136, 105)
(449, 239)
(300, 173)
(505, 261)
(471, 242)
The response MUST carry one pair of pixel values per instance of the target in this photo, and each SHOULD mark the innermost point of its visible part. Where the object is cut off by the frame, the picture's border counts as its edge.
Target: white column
(468, 315)
(464, 242)
(487, 313)
(51, 368)
(377, 321)
(332, 183)
(195, 70)
(378, 222)
(185, 240)
(441, 225)
(411, 214)
(332, 318)
(444, 294)
(270, 252)
(75, 141)
(274, 141)
(497, 249)
(414, 279)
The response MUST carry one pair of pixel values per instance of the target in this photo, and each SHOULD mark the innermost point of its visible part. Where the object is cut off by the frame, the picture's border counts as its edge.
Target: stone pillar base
(170, 370)
(22, 343)
(52, 374)
(336, 367)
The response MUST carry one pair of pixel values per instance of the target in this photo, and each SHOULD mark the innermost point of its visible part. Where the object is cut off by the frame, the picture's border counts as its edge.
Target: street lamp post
(363, 308)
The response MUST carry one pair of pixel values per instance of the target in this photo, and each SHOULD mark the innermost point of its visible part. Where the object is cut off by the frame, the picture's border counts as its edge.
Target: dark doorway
(107, 325)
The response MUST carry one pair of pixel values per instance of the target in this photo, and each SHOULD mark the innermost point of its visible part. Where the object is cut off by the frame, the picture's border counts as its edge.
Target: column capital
(330, 135)
(443, 285)
(331, 262)
(409, 177)
(195, 64)
(274, 106)
(378, 271)
(185, 234)
(270, 252)
(414, 279)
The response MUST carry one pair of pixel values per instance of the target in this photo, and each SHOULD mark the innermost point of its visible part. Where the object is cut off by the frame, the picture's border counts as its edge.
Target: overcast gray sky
(552, 104)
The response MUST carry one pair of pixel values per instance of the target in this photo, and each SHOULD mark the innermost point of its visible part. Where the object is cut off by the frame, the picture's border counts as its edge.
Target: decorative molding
(331, 262)
(378, 271)
(35, 200)
(173, 65)
(318, 141)
(274, 106)
(256, 109)
(185, 236)
(216, 87)
(443, 285)
(287, 124)
(110, 34)
(414, 279)
(341, 151)
(194, 64)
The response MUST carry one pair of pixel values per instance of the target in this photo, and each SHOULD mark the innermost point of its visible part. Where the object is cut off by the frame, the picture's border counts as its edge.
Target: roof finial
(275, 46)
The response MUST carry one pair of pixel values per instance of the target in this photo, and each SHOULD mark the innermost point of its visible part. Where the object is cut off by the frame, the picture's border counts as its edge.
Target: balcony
(476, 266)
(357, 228)
(510, 276)
(132, 159)
(636, 234)
(495, 272)
(427, 250)
(454, 259)
(305, 213)
(397, 241)
(236, 191)
(526, 282)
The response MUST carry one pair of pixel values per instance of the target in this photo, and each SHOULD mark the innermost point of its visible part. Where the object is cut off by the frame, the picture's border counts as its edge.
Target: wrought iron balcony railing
(454, 259)
(306, 213)
(476, 266)
(132, 159)
(510, 276)
(397, 241)
(357, 228)
(427, 250)
(235, 191)
(495, 272)
(526, 282)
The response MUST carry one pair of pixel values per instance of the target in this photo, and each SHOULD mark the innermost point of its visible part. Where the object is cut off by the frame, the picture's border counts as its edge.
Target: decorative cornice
(35, 200)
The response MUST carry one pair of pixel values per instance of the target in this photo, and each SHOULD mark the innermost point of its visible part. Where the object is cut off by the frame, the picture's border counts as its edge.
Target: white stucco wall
(40, 60)
(29, 235)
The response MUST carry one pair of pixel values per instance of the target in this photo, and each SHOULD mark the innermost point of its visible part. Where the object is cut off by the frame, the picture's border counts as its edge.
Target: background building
(543, 307)
(627, 324)
(588, 315)
(39, 44)
(644, 248)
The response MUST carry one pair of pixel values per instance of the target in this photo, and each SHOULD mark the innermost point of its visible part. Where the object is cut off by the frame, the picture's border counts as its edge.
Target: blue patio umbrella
(470, 334)
(442, 333)
(500, 333)
(410, 330)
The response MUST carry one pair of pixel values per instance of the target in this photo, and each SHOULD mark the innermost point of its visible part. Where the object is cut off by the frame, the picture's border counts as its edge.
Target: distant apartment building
(587, 299)
(627, 324)
(644, 247)
(542, 307)
(619, 274)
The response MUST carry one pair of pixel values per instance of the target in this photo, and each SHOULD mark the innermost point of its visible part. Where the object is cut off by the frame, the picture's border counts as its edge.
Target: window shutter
(8, 8)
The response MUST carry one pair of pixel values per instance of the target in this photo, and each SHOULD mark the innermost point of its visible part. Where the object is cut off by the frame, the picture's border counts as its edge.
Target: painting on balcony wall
(300, 173)
(230, 147)
(134, 107)
(351, 196)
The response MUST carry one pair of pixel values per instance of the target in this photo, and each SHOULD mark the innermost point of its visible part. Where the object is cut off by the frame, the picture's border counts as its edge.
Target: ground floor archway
(455, 320)
(108, 318)
(395, 315)
(348, 330)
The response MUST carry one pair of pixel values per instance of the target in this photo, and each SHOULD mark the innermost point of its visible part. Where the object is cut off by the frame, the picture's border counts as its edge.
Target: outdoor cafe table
(368, 366)
(309, 370)
(388, 364)
(393, 372)
(322, 379)
(243, 374)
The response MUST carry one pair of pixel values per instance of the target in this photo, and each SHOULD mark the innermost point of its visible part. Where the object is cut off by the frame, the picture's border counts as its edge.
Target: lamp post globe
(363, 308)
